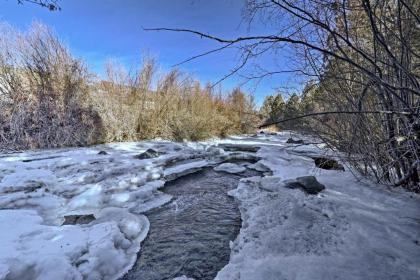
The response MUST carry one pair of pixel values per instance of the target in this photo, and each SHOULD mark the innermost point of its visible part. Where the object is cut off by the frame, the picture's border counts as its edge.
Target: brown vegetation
(362, 58)
(49, 99)
(43, 92)
(179, 108)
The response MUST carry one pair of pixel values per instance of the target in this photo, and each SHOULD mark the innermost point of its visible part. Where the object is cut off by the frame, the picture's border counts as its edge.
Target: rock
(239, 148)
(292, 141)
(258, 166)
(327, 163)
(292, 184)
(34, 187)
(37, 159)
(78, 219)
(102, 153)
(310, 184)
(149, 153)
(240, 157)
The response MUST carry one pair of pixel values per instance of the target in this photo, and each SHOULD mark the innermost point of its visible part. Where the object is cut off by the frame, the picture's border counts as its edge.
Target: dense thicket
(362, 58)
(48, 98)
(43, 93)
(177, 108)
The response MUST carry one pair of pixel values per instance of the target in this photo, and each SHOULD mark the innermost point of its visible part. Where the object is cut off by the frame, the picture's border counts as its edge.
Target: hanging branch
(51, 5)
(335, 113)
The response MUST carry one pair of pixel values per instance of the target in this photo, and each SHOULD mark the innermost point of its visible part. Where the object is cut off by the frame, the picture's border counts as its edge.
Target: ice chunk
(183, 169)
(102, 250)
(183, 277)
(230, 168)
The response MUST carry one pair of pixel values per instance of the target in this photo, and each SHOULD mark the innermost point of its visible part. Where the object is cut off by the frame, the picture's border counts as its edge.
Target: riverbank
(80, 213)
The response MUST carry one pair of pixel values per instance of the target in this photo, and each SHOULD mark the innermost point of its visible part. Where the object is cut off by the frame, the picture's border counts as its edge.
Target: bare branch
(51, 5)
(335, 113)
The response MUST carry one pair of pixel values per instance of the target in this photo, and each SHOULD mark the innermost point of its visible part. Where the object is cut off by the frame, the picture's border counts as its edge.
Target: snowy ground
(351, 230)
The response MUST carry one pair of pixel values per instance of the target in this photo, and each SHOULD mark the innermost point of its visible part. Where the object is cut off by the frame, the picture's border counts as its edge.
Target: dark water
(190, 236)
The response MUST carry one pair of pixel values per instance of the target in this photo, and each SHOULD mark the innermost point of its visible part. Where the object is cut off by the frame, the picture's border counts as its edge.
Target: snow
(183, 277)
(352, 230)
(39, 188)
(184, 169)
(93, 252)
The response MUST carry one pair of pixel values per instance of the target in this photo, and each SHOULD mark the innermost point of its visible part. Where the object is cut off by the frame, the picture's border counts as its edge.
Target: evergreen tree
(273, 107)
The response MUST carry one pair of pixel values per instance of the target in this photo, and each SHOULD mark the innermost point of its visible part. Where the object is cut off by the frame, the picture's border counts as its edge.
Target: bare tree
(365, 57)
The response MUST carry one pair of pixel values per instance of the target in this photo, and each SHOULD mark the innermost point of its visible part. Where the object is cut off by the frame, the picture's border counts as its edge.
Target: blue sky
(97, 30)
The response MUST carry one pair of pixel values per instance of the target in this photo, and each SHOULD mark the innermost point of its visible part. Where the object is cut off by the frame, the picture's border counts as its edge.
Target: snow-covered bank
(103, 250)
(115, 183)
(351, 230)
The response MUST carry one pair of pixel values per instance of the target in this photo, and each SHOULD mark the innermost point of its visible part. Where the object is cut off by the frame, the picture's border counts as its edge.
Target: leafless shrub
(365, 57)
(177, 108)
(43, 90)
(49, 99)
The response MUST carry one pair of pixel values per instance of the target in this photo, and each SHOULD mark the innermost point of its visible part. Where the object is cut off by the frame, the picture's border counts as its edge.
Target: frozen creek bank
(351, 230)
(191, 234)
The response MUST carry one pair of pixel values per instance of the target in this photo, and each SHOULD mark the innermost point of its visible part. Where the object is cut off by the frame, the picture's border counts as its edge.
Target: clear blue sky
(97, 30)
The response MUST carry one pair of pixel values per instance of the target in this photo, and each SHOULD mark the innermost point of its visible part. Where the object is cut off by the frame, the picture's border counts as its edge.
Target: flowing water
(191, 234)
